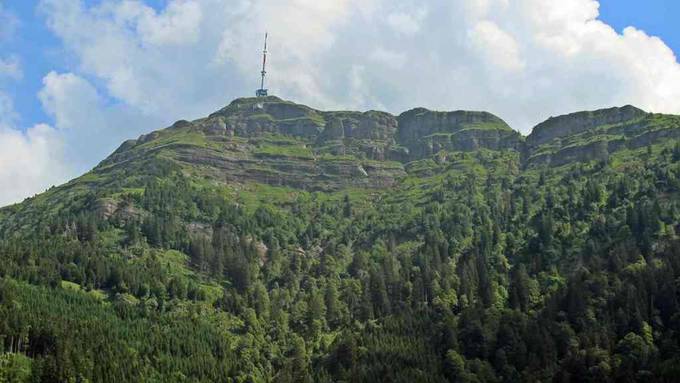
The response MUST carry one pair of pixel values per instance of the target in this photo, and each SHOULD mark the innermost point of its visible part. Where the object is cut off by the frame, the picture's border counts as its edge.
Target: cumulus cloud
(30, 160)
(89, 126)
(85, 129)
(497, 48)
(524, 60)
(178, 24)
(407, 22)
(137, 68)
(160, 63)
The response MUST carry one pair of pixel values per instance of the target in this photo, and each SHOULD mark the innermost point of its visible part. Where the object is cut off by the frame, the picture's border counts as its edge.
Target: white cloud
(86, 129)
(524, 60)
(407, 22)
(151, 61)
(7, 114)
(178, 24)
(138, 69)
(389, 58)
(29, 158)
(79, 116)
(497, 48)
(88, 125)
(65, 95)
(29, 162)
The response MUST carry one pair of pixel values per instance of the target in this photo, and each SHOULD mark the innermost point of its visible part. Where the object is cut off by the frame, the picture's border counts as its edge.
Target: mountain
(270, 241)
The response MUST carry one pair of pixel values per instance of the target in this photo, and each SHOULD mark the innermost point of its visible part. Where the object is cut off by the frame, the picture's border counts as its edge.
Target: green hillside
(272, 242)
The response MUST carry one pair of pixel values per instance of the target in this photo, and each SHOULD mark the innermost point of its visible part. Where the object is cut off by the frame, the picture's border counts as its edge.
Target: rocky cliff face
(277, 142)
(595, 135)
(425, 132)
(269, 140)
(576, 123)
(249, 117)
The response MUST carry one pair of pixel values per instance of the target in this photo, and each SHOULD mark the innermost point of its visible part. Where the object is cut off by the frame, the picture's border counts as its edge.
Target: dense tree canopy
(477, 274)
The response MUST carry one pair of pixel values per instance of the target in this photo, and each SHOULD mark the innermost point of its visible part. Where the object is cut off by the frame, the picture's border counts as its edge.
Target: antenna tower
(262, 92)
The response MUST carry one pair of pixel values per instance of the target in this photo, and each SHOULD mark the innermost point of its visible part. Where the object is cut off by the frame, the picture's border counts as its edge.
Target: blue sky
(38, 51)
(97, 72)
(656, 17)
(41, 52)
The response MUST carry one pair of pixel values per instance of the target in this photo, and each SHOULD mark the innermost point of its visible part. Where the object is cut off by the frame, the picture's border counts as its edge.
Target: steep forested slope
(274, 242)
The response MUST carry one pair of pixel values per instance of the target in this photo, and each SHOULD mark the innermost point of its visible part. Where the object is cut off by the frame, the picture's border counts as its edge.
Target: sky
(79, 77)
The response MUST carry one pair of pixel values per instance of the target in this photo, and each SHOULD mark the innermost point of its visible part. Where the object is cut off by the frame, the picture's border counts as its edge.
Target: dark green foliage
(470, 275)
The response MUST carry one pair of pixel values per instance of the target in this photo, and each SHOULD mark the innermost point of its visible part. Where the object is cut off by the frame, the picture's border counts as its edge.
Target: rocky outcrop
(465, 141)
(279, 142)
(587, 136)
(571, 124)
(421, 122)
(368, 134)
(304, 173)
(594, 151)
(425, 132)
(109, 208)
(251, 117)
(654, 136)
(372, 125)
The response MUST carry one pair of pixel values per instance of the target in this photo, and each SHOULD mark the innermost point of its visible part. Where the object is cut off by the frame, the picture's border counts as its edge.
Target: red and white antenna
(262, 91)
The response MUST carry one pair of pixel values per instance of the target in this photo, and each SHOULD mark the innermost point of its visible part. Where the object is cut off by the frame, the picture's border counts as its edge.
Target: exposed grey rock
(214, 126)
(349, 148)
(425, 132)
(570, 124)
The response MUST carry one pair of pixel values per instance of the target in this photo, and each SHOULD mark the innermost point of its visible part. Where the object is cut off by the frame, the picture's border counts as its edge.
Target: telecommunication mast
(262, 92)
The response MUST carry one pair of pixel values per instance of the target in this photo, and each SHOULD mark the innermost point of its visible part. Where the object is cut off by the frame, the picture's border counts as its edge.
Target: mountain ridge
(553, 127)
(342, 143)
(270, 141)
(594, 116)
(290, 144)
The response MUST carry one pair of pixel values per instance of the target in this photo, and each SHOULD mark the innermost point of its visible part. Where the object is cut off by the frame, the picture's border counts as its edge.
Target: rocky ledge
(279, 142)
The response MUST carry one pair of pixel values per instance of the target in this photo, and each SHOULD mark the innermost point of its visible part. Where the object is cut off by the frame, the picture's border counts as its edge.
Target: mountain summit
(278, 142)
